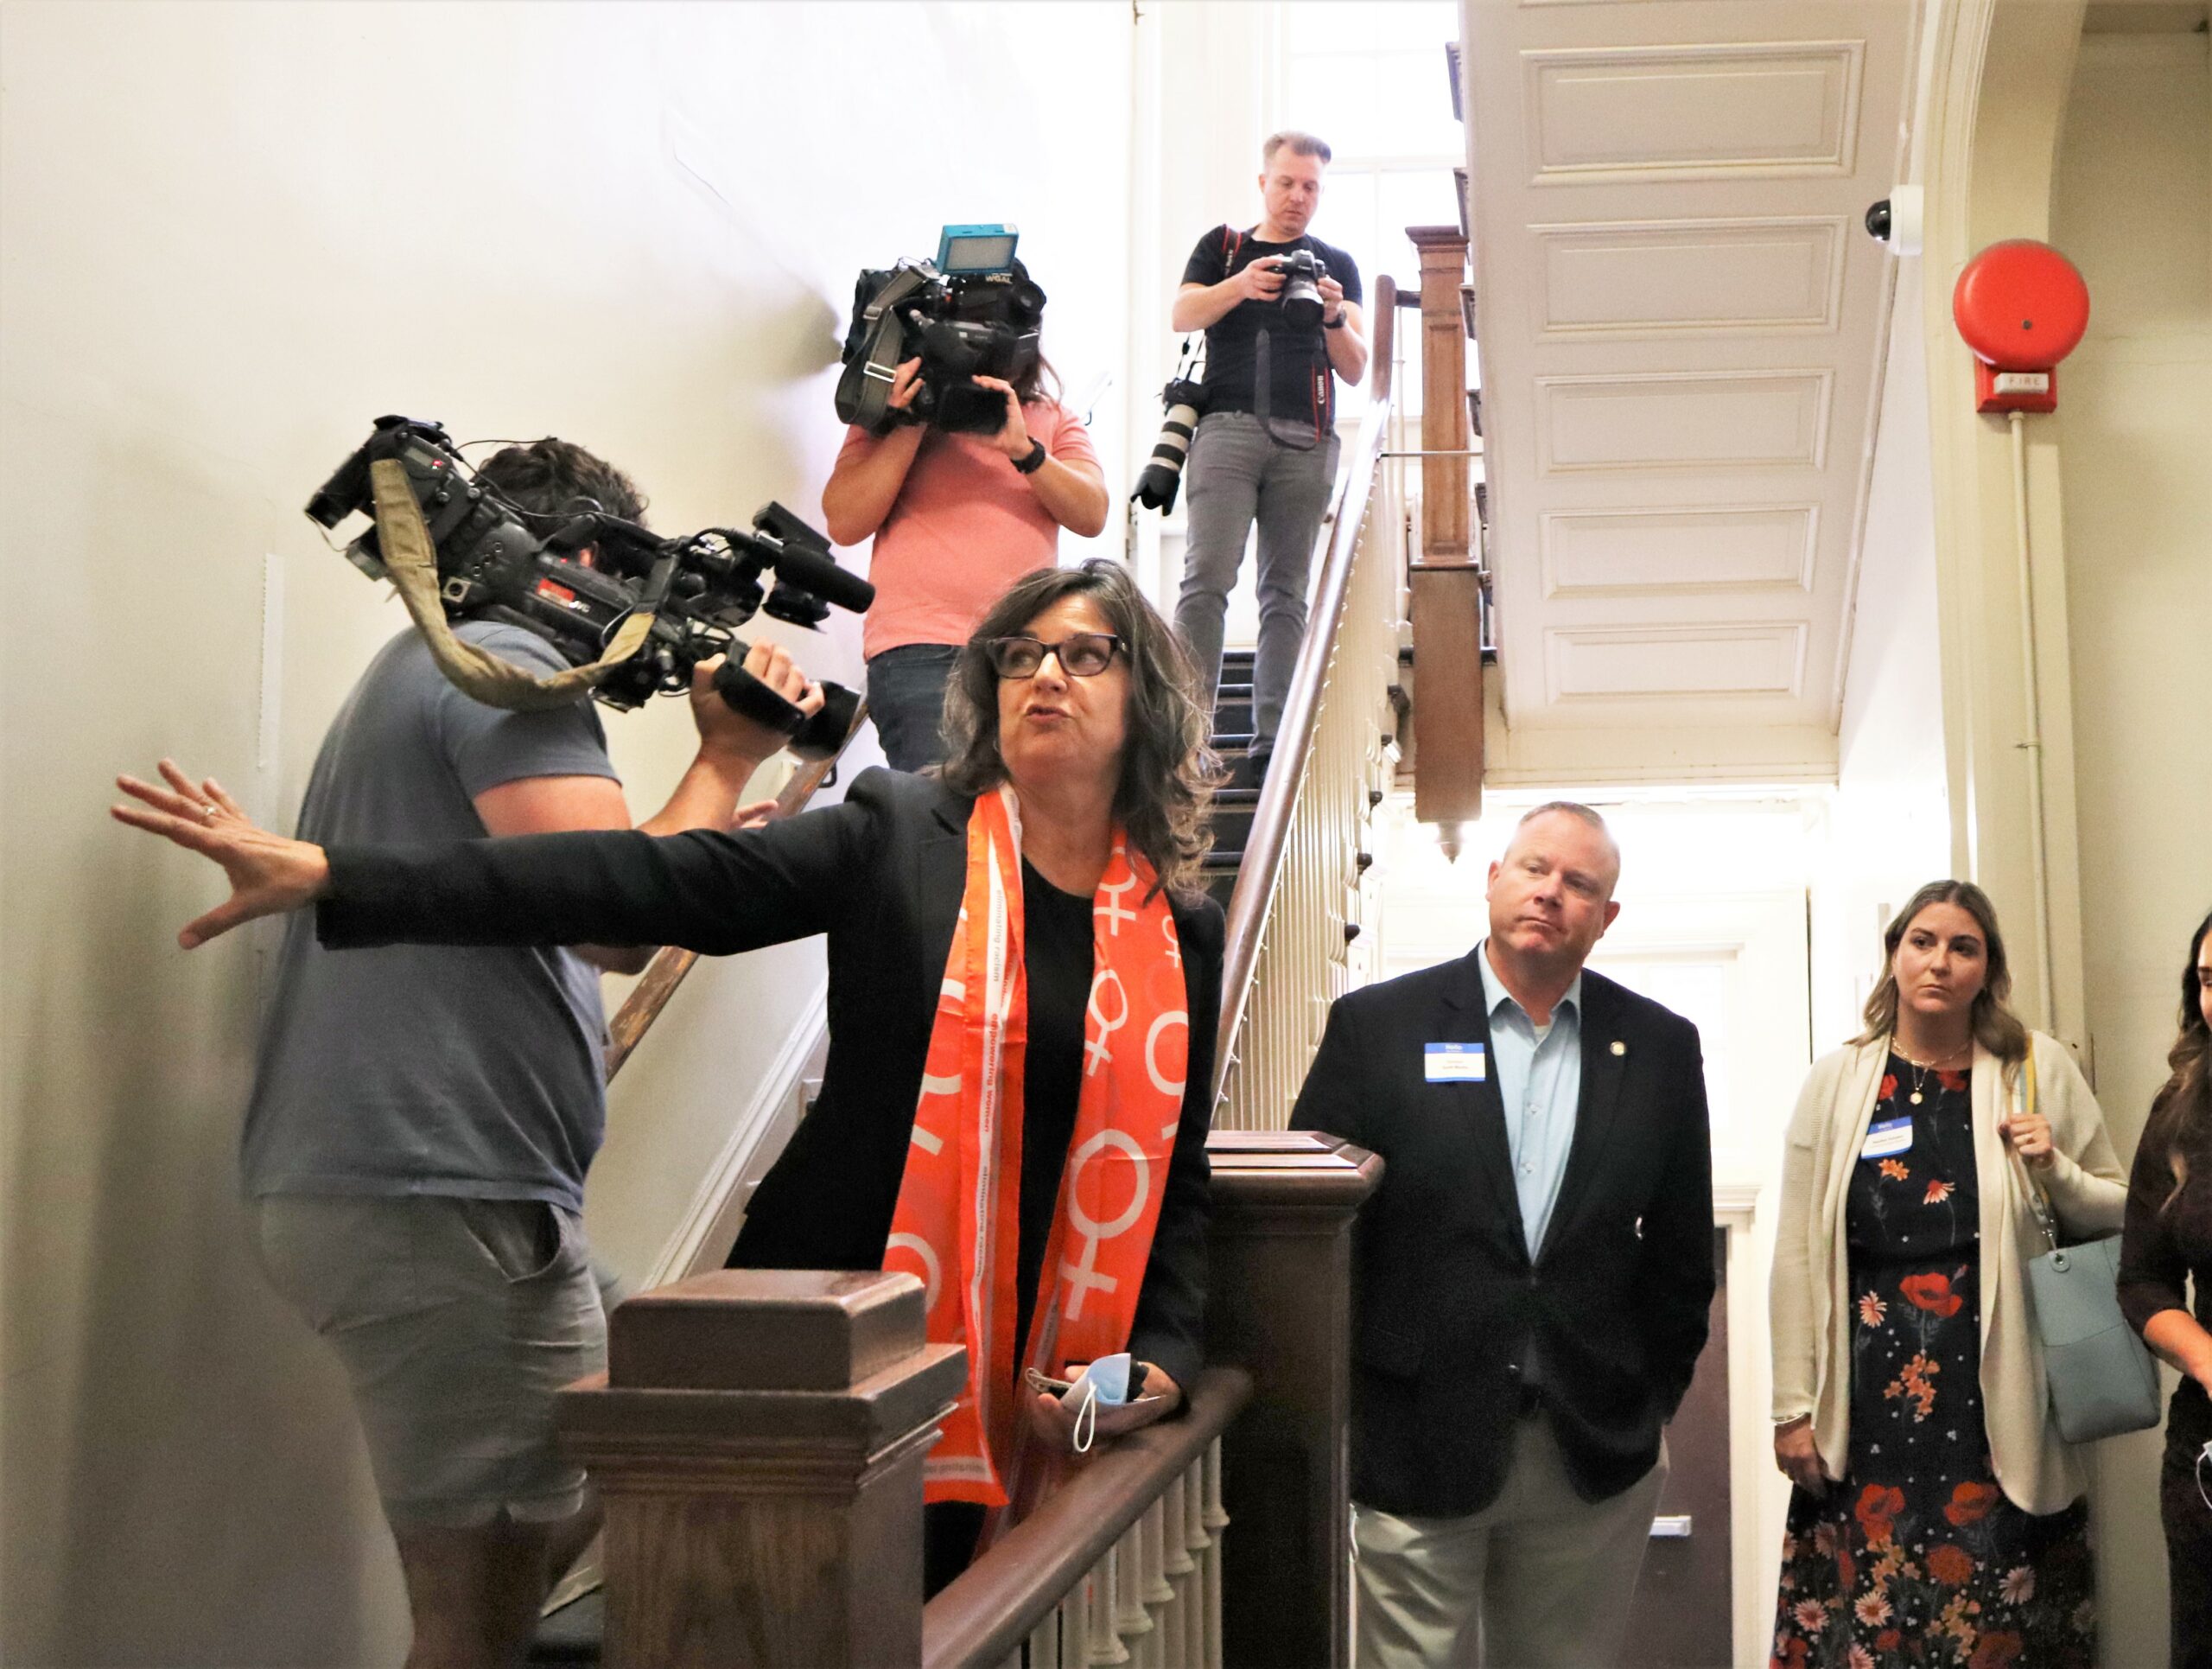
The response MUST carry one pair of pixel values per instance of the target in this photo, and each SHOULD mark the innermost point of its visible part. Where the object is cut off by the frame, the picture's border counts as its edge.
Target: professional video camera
(577, 584)
(973, 312)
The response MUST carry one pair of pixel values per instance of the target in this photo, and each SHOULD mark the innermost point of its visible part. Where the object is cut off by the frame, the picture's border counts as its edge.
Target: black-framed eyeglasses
(1086, 654)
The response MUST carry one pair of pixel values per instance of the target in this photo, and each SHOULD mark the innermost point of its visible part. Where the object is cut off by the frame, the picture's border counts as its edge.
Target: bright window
(1370, 79)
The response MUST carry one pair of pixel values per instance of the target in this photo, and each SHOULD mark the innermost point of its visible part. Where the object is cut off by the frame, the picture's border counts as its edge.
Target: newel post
(1280, 1304)
(758, 1439)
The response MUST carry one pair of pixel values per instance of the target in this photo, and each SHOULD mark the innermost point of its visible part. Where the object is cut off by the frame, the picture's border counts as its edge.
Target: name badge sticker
(1455, 1063)
(1891, 1135)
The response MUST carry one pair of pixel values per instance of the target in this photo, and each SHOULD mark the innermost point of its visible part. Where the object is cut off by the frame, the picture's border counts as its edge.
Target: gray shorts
(457, 1321)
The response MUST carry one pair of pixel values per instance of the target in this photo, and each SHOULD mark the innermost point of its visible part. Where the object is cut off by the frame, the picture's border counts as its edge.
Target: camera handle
(813, 736)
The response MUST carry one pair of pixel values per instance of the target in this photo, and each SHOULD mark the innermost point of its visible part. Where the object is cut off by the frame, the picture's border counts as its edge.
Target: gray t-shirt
(421, 1069)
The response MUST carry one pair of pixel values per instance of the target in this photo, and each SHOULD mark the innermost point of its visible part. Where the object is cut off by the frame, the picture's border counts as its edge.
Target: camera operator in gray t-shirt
(423, 1116)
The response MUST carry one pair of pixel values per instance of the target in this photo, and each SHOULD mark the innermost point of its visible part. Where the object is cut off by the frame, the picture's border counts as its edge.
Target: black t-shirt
(1301, 383)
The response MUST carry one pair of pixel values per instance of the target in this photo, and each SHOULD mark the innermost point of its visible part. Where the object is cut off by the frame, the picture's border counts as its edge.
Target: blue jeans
(905, 697)
(1237, 473)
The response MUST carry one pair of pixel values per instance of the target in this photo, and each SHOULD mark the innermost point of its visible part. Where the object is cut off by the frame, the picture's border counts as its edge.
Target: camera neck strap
(412, 560)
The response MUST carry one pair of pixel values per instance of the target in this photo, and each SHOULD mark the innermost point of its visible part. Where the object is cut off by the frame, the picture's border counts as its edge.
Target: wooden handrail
(1263, 848)
(670, 964)
(984, 1616)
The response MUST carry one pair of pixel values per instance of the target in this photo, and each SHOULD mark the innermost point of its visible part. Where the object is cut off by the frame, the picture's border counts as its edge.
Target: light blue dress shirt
(1540, 1081)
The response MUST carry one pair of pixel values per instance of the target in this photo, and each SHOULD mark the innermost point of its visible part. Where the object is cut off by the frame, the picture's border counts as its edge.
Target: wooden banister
(1271, 819)
(666, 971)
(982, 1617)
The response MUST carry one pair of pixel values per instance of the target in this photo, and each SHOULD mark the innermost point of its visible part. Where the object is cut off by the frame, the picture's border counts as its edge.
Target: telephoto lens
(1163, 476)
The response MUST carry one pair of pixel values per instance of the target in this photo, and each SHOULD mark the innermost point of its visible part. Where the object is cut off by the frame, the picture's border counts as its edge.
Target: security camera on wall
(1897, 220)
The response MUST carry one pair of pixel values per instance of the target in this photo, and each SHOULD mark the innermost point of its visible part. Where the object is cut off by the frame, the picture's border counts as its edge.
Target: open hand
(1052, 1420)
(269, 874)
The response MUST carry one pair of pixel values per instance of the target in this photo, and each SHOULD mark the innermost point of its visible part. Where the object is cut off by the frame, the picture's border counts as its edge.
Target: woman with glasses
(2167, 1243)
(1023, 986)
(955, 518)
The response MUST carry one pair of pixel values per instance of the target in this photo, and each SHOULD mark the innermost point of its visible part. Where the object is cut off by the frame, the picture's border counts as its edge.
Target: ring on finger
(207, 813)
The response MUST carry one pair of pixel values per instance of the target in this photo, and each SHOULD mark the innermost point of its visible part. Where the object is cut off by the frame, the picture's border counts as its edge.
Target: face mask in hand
(1103, 1384)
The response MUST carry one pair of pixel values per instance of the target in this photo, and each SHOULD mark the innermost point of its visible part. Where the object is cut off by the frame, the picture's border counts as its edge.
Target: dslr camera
(1300, 298)
(973, 312)
(574, 584)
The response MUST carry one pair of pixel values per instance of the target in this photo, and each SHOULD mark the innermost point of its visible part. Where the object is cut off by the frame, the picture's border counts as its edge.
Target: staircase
(1233, 806)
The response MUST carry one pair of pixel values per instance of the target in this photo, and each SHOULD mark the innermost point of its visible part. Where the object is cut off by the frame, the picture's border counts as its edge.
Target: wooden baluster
(1131, 1621)
(1044, 1644)
(1158, 1592)
(1105, 1624)
(758, 1439)
(1201, 1546)
(1177, 1565)
(1075, 1626)
(1217, 1520)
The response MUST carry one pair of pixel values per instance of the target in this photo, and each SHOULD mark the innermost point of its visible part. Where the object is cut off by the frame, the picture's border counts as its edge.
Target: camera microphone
(818, 572)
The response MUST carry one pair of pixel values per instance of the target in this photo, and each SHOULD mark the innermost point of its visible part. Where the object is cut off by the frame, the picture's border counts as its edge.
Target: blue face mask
(1104, 1383)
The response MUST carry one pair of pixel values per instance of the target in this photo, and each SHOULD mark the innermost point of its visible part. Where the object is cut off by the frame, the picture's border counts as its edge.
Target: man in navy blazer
(1531, 1280)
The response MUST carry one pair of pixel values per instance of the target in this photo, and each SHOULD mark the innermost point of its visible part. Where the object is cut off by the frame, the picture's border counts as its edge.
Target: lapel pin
(1620, 1048)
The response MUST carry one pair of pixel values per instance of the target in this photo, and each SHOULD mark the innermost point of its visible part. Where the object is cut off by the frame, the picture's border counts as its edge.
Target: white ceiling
(1680, 327)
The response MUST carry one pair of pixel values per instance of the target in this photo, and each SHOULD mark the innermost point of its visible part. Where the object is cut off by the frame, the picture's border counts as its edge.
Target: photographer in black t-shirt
(1265, 449)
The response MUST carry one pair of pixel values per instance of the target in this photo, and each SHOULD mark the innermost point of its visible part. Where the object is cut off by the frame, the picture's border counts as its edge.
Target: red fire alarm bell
(2022, 307)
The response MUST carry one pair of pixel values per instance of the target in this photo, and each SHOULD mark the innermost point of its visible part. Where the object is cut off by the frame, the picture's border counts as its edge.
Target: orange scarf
(957, 1225)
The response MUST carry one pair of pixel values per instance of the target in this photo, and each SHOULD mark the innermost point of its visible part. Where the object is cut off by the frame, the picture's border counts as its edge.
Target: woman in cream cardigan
(1937, 1514)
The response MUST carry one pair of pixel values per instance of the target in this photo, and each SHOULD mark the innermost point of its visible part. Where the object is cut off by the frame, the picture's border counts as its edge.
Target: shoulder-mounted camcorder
(973, 312)
(575, 584)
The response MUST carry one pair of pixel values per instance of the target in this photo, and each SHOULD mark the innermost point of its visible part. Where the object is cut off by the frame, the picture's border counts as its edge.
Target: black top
(2162, 1246)
(1058, 957)
(882, 876)
(1446, 1304)
(1303, 386)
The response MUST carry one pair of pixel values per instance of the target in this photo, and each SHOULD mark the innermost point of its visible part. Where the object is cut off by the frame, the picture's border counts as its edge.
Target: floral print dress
(1917, 1558)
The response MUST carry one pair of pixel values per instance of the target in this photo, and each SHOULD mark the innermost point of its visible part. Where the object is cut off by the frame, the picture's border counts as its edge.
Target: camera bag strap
(864, 391)
(412, 560)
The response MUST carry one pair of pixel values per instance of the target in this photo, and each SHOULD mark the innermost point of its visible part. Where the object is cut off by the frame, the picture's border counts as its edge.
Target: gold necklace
(1922, 1068)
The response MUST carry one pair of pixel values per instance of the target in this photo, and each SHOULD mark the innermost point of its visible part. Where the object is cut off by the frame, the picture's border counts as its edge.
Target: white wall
(235, 233)
(2132, 207)
(1890, 821)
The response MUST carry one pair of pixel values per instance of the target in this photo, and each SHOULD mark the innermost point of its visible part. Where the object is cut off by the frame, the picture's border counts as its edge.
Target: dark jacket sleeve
(2152, 1270)
(1330, 1100)
(1169, 1328)
(705, 890)
(1676, 1278)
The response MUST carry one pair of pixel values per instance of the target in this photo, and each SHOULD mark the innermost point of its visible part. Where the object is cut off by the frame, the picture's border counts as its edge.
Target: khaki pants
(1539, 1579)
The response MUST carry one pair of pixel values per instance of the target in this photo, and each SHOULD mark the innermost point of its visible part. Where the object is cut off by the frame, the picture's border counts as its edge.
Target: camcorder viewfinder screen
(971, 249)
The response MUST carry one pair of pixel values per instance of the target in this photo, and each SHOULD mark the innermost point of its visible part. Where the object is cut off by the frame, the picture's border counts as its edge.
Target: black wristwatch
(1034, 461)
(1339, 322)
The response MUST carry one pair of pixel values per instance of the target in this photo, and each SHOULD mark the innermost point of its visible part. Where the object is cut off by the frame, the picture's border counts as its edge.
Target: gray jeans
(1237, 473)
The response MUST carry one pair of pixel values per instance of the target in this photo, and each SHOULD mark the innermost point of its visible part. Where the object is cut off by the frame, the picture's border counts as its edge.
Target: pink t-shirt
(964, 527)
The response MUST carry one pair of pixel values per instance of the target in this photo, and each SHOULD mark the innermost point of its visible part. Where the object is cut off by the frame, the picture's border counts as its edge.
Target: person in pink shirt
(956, 519)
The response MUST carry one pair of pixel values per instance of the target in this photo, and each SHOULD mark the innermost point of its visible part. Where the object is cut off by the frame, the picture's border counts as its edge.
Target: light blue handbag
(2101, 1377)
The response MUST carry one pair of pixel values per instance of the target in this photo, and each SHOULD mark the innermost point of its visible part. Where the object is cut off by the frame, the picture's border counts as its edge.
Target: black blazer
(882, 875)
(1447, 1302)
